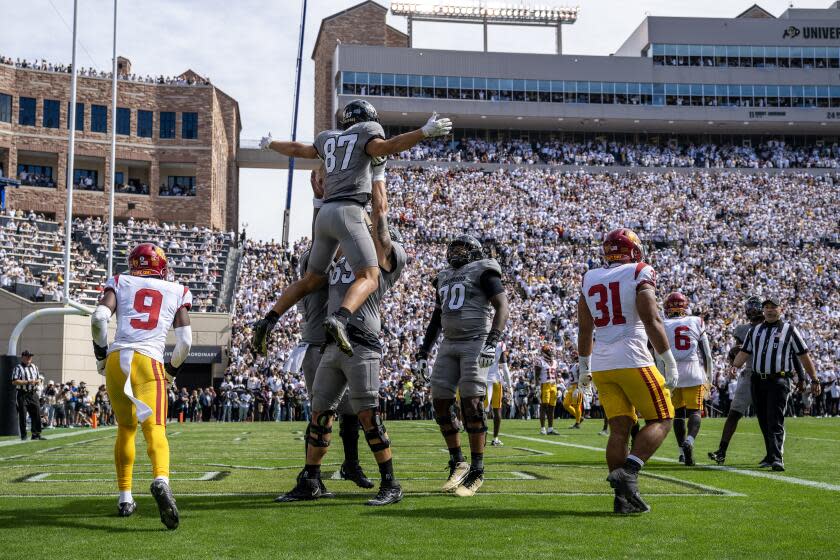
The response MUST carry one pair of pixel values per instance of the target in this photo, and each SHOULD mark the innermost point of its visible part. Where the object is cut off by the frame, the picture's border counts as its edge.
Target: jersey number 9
(151, 309)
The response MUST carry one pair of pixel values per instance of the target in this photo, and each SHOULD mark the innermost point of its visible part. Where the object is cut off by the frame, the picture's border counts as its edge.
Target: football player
(545, 371)
(498, 382)
(356, 376)
(573, 398)
(472, 309)
(349, 155)
(146, 305)
(618, 305)
(743, 394)
(687, 337)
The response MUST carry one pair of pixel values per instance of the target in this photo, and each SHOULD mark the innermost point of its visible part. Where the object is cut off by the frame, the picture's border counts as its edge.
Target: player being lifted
(687, 337)
(349, 155)
(356, 376)
(472, 309)
(545, 371)
(618, 305)
(573, 399)
(146, 304)
(498, 383)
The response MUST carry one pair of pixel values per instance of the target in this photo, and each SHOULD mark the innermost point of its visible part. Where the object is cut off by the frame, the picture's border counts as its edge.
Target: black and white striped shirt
(773, 346)
(25, 373)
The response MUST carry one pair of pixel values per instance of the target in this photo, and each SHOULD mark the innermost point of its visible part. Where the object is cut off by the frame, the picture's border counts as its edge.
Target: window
(5, 107)
(51, 113)
(119, 178)
(86, 179)
(123, 121)
(80, 116)
(189, 126)
(178, 186)
(26, 113)
(35, 175)
(167, 124)
(144, 124)
(98, 118)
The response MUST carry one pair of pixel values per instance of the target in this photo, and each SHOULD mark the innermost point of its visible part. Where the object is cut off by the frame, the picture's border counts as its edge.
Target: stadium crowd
(770, 154)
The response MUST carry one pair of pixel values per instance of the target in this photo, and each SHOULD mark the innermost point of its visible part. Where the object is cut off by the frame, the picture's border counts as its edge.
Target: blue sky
(248, 49)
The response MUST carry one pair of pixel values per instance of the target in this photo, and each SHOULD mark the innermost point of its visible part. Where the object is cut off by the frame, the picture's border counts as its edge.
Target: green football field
(543, 497)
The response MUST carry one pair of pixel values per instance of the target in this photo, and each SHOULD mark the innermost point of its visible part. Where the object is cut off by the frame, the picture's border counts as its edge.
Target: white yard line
(51, 436)
(362, 494)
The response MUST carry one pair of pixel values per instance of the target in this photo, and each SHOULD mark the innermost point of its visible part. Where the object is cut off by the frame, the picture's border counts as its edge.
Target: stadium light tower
(488, 13)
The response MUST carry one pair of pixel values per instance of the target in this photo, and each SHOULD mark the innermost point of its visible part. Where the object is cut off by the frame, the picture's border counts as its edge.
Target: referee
(26, 379)
(773, 346)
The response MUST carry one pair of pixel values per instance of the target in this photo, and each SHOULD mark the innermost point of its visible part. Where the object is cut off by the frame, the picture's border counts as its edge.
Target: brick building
(171, 139)
(362, 24)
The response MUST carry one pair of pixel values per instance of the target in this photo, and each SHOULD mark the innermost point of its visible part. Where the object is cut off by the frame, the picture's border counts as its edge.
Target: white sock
(125, 496)
(163, 478)
(636, 460)
(689, 440)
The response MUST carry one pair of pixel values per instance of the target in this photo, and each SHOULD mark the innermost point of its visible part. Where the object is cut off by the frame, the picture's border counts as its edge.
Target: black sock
(722, 447)
(455, 455)
(386, 471)
(477, 461)
(343, 315)
(312, 471)
(349, 433)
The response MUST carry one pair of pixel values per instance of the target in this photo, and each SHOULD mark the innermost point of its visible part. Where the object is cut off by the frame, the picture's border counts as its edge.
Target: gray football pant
(339, 375)
(343, 224)
(743, 393)
(309, 365)
(456, 368)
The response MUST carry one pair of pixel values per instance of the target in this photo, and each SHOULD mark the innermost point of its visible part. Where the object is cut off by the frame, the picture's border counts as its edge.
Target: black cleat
(688, 451)
(766, 462)
(622, 506)
(355, 474)
(681, 458)
(338, 331)
(166, 504)
(626, 484)
(778, 466)
(125, 509)
(718, 457)
(389, 493)
(305, 489)
(324, 492)
(38, 436)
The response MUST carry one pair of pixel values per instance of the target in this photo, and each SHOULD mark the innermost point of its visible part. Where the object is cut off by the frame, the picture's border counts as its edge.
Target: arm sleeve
(432, 331)
(183, 342)
(707, 355)
(797, 342)
(99, 328)
(491, 283)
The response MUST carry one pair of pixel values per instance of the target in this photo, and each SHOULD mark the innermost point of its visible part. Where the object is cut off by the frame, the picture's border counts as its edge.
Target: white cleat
(604, 433)
(457, 473)
(543, 432)
(496, 442)
(471, 484)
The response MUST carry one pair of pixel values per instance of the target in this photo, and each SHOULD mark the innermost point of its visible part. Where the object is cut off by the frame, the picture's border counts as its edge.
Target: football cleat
(457, 473)
(543, 432)
(471, 484)
(766, 462)
(552, 432)
(166, 504)
(338, 331)
(324, 492)
(305, 489)
(688, 451)
(390, 493)
(575, 426)
(496, 442)
(626, 484)
(622, 506)
(125, 509)
(355, 474)
(604, 433)
(778, 466)
(718, 456)
(681, 458)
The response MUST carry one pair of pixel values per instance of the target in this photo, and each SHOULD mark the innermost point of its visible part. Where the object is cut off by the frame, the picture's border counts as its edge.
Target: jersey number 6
(152, 309)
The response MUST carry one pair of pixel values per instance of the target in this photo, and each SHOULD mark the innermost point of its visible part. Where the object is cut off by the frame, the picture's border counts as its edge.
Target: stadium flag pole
(288, 210)
(71, 149)
(113, 150)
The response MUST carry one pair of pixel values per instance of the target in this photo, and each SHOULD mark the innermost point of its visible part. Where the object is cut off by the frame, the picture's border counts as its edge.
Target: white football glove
(669, 369)
(577, 393)
(487, 356)
(436, 127)
(584, 371)
(266, 141)
(100, 367)
(421, 365)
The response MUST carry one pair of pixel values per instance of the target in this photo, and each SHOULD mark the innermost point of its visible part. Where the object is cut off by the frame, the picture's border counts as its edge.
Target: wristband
(493, 337)
(317, 202)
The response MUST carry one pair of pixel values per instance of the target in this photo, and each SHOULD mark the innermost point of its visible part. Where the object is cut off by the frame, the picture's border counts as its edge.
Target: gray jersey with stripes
(367, 318)
(313, 307)
(348, 166)
(466, 313)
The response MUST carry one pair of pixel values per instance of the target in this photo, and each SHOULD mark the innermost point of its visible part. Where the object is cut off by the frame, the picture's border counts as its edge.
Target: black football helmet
(752, 308)
(358, 111)
(462, 250)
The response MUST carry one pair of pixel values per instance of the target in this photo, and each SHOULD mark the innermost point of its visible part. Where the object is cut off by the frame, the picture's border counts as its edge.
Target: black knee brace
(377, 432)
(315, 432)
(474, 416)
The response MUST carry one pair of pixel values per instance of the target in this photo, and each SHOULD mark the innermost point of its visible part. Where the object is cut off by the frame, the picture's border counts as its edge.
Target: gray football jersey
(466, 313)
(367, 318)
(740, 332)
(348, 166)
(313, 307)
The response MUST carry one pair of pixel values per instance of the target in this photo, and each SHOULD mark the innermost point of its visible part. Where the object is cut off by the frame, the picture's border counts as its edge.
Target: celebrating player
(349, 155)
(687, 337)
(573, 398)
(146, 305)
(354, 377)
(498, 382)
(472, 309)
(618, 303)
(545, 371)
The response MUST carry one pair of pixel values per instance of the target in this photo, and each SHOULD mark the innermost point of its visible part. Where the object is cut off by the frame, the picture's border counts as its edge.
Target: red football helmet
(622, 245)
(147, 259)
(547, 351)
(676, 304)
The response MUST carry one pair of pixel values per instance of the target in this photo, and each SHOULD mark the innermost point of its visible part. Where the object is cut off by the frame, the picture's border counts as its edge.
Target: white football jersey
(548, 371)
(610, 294)
(684, 336)
(146, 308)
(574, 374)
